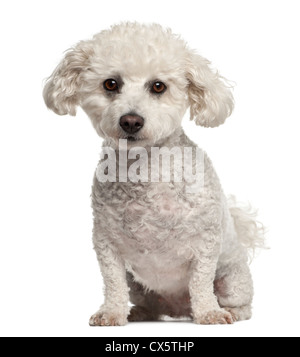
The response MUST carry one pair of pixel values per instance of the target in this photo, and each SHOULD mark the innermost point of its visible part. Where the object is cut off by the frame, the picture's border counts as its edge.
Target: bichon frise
(167, 245)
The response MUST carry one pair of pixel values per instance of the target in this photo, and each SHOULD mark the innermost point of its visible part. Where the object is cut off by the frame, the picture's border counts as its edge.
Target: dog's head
(136, 82)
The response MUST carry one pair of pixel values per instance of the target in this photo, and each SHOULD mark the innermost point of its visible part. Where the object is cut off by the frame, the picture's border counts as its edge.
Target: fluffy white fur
(169, 252)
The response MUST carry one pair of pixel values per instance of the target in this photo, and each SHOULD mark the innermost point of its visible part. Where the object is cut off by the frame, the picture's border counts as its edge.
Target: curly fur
(168, 251)
(250, 232)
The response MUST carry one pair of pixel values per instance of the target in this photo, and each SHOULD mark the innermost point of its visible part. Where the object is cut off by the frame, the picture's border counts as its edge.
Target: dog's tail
(251, 233)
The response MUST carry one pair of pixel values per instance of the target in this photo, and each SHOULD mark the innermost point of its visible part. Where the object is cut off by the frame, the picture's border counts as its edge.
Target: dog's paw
(102, 318)
(240, 313)
(215, 317)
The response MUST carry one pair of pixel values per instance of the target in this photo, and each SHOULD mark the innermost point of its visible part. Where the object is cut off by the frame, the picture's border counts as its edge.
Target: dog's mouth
(132, 138)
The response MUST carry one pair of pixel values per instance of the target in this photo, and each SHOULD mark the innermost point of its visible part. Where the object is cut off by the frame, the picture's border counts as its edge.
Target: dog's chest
(154, 227)
(155, 237)
(153, 220)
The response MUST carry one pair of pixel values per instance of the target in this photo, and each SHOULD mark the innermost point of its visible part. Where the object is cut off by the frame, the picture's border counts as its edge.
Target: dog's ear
(211, 101)
(61, 89)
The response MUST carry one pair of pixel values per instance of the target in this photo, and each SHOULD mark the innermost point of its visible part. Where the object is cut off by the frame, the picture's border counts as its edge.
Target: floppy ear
(61, 89)
(211, 101)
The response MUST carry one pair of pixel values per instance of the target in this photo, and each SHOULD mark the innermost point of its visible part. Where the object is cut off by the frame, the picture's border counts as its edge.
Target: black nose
(131, 123)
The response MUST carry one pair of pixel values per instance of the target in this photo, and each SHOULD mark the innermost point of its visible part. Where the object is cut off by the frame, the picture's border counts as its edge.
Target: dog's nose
(131, 123)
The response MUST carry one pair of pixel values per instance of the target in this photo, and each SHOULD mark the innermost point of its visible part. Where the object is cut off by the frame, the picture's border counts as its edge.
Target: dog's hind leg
(140, 313)
(145, 307)
(150, 306)
(234, 290)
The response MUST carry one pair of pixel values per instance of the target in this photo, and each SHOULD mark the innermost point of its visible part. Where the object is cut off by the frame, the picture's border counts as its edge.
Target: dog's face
(135, 88)
(135, 82)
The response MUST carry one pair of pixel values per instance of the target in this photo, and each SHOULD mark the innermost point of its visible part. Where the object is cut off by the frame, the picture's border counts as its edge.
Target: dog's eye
(158, 87)
(111, 85)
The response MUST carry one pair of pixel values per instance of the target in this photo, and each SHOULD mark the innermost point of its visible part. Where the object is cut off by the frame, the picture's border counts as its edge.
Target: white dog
(165, 249)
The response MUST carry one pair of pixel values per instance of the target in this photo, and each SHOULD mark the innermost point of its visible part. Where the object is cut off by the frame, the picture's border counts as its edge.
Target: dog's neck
(153, 164)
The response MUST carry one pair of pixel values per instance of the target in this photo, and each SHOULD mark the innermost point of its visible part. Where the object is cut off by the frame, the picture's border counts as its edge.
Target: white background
(50, 282)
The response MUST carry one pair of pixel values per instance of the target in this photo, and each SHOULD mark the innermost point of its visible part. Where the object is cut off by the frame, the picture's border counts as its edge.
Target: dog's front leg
(205, 307)
(115, 309)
